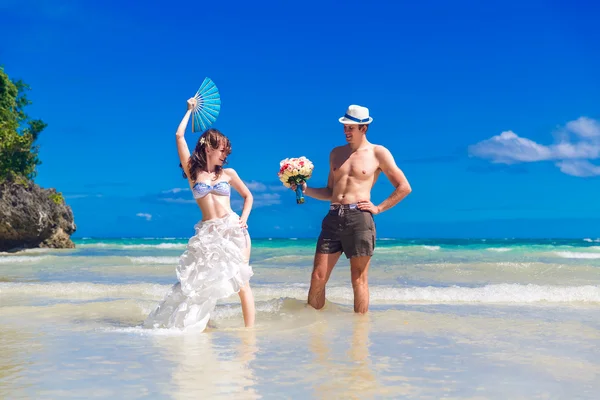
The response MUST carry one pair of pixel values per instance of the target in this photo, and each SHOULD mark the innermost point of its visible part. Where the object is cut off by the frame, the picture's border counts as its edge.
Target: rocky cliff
(33, 217)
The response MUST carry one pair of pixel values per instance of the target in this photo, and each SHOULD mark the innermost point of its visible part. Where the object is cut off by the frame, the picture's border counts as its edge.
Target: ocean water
(464, 319)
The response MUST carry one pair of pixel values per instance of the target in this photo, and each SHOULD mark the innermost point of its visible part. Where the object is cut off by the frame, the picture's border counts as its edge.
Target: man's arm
(321, 193)
(395, 175)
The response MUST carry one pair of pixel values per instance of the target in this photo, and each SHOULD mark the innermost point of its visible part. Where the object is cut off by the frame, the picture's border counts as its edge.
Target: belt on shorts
(341, 208)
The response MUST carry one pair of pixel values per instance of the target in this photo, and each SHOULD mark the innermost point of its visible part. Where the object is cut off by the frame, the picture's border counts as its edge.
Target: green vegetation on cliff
(57, 198)
(31, 216)
(18, 133)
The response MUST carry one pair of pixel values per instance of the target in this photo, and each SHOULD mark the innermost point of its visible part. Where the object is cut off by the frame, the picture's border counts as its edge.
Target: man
(349, 226)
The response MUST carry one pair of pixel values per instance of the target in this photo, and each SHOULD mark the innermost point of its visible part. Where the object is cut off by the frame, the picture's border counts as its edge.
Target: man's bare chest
(356, 166)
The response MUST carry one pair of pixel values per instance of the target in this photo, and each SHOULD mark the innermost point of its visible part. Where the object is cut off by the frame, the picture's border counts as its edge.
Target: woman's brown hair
(197, 162)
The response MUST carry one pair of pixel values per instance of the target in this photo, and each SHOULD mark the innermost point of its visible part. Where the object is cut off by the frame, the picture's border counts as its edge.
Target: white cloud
(571, 156)
(237, 205)
(176, 190)
(584, 127)
(260, 200)
(567, 150)
(176, 195)
(256, 186)
(508, 148)
(581, 168)
(266, 199)
(143, 215)
(177, 200)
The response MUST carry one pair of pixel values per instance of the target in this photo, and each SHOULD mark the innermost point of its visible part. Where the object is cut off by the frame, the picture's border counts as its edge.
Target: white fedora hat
(356, 115)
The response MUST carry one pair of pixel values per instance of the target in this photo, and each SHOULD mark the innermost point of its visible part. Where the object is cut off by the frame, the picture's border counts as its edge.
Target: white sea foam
(148, 332)
(98, 244)
(164, 246)
(21, 259)
(501, 293)
(154, 260)
(272, 306)
(221, 312)
(432, 248)
(571, 254)
(155, 246)
(489, 294)
(287, 259)
(406, 249)
(82, 290)
(26, 251)
(517, 265)
(499, 249)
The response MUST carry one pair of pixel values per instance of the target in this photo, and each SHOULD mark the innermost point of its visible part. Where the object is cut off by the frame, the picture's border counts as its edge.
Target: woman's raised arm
(182, 147)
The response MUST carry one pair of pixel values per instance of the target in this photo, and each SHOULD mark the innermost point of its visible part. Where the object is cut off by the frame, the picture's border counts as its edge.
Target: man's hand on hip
(368, 206)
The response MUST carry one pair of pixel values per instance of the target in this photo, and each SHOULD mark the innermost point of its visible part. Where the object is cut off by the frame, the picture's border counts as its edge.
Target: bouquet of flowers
(295, 171)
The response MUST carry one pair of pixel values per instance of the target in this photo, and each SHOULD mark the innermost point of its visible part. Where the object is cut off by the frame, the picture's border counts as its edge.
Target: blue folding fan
(207, 107)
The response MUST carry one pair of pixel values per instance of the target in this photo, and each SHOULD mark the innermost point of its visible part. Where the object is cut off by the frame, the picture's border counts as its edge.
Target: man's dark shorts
(348, 229)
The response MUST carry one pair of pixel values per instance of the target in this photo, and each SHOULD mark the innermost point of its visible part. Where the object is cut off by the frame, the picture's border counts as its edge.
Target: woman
(216, 261)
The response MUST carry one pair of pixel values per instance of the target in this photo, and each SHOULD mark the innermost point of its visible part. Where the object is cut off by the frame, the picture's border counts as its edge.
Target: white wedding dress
(212, 267)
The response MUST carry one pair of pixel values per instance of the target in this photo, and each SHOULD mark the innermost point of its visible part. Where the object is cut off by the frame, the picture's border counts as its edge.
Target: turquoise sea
(468, 319)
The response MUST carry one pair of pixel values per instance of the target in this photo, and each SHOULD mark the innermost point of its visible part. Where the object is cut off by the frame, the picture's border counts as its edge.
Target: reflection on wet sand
(16, 348)
(362, 381)
(351, 376)
(210, 367)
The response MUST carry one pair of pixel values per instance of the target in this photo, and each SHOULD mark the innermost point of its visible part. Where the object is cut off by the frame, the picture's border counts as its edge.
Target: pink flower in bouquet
(295, 171)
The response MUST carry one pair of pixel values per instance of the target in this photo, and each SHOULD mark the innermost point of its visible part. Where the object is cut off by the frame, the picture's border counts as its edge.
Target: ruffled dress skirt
(212, 267)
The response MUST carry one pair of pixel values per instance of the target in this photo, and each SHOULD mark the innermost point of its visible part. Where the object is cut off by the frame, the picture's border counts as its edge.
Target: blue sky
(491, 110)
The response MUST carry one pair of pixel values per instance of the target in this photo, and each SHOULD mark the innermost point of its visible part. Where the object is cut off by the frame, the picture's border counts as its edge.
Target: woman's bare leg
(246, 296)
(248, 309)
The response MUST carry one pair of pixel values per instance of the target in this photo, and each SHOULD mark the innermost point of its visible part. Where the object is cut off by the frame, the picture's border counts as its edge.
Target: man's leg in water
(323, 265)
(359, 268)
(327, 253)
(358, 243)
